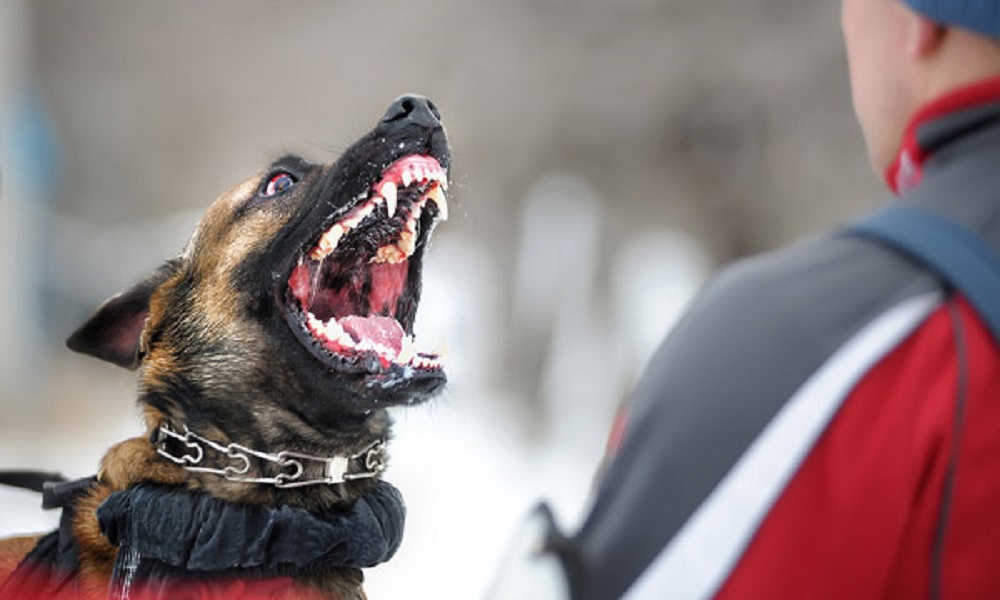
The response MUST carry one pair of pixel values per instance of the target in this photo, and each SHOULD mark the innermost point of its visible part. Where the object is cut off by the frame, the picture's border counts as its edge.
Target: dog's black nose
(411, 109)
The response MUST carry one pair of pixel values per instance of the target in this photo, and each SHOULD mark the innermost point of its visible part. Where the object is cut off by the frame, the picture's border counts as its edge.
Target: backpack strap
(954, 252)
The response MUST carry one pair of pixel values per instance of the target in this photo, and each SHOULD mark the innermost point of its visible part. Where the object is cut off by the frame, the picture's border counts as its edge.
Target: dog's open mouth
(355, 290)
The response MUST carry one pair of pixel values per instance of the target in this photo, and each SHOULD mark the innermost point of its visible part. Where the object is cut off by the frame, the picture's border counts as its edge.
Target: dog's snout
(411, 109)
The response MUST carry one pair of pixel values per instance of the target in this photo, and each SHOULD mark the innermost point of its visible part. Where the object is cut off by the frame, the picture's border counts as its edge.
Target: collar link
(294, 469)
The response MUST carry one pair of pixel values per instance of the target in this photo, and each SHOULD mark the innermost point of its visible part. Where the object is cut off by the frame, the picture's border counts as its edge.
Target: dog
(267, 353)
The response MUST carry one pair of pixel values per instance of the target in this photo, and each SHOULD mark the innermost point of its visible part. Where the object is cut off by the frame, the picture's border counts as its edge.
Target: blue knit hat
(981, 16)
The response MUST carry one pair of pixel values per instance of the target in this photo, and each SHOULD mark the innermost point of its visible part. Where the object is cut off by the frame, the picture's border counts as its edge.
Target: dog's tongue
(384, 331)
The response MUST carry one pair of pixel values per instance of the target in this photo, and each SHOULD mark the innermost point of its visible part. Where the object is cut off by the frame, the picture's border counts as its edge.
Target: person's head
(904, 53)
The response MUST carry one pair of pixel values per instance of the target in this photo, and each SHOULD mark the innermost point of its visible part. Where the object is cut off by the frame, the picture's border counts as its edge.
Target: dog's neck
(282, 469)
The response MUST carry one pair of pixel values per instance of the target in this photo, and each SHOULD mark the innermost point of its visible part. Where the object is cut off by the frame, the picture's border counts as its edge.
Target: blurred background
(607, 157)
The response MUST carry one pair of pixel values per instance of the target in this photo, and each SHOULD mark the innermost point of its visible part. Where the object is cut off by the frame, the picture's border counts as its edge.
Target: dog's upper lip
(404, 172)
(413, 169)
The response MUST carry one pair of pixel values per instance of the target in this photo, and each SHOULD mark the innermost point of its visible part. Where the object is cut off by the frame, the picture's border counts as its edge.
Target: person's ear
(923, 36)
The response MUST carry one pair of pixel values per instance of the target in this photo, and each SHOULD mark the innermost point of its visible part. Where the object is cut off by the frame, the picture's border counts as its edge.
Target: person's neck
(906, 172)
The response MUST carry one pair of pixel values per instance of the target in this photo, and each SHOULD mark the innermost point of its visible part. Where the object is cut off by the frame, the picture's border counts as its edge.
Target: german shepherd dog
(269, 350)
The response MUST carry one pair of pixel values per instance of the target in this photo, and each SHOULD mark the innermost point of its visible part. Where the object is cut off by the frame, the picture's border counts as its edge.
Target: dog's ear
(114, 331)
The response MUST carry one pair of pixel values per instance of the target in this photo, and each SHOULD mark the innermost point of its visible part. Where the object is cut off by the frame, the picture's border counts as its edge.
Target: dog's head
(288, 319)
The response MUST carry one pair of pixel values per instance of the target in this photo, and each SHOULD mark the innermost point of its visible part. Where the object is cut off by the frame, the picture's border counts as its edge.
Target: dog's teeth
(441, 177)
(406, 352)
(407, 178)
(383, 351)
(389, 254)
(436, 195)
(334, 329)
(327, 243)
(336, 232)
(344, 338)
(331, 330)
(407, 243)
(359, 215)
(423, 362)
(388, 191)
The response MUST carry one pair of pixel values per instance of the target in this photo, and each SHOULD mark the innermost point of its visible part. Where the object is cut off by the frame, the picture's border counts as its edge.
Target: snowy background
(607, 157)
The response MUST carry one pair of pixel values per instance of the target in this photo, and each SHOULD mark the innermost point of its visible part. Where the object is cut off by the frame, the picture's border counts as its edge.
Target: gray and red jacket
(825, 420)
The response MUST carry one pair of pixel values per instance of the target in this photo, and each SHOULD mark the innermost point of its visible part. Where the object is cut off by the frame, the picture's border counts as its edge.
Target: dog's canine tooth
(436, 195)
(328, 243)
(406, 351)
(388, 191)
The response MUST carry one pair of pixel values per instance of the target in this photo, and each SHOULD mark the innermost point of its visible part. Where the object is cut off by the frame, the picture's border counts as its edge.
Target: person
(824, 422)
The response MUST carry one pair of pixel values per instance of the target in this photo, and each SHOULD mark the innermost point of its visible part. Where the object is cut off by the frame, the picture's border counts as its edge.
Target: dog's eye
(278, 184)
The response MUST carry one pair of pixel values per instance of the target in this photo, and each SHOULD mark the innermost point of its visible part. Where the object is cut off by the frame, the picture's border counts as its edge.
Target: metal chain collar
(291, 465)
